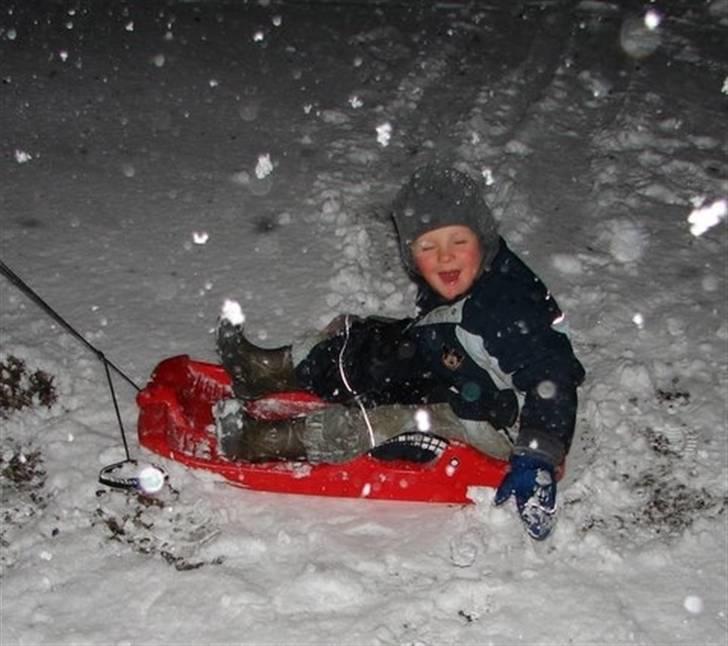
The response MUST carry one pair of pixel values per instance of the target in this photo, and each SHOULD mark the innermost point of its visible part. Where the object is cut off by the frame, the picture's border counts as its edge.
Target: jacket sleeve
(547, 373)
(548, 416)
(521, 324)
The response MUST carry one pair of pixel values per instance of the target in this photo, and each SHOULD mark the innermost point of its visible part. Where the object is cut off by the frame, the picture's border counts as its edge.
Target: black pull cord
(117, 475)
(116, 408)
(28, 291)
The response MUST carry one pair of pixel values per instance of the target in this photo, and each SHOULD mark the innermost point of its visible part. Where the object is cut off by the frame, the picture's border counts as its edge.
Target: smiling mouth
(449, 277)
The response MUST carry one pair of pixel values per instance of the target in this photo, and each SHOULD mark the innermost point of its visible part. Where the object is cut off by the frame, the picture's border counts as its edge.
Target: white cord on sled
(346, 383)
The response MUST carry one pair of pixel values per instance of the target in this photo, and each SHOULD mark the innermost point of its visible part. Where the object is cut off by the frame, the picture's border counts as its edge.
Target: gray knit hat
(440, 196)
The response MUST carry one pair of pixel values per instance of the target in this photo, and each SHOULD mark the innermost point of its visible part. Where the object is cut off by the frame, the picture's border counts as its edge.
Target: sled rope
(342, 372)
(28, 291)
(106, 475)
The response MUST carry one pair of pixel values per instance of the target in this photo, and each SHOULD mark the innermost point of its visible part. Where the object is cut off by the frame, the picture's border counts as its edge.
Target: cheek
(424, 264)
(471, 258)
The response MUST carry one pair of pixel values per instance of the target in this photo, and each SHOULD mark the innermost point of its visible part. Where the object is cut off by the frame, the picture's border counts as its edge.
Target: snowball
(652, 19)
(706, 217)
(22, 157)
(151, 479)
(422, 420)
(693, 604)
(264, 167)
(232, 312)
(384, 134)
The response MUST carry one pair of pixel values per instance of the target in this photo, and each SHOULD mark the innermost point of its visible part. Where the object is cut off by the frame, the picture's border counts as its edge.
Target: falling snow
(133, 203)
(706, 217)
(232, 312)
(384, 134)
(22, 157)
(264, 166)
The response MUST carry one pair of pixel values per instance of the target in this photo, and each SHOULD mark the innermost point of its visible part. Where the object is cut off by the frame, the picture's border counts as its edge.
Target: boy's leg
(439, 419)
(242, 438)
(373, 359)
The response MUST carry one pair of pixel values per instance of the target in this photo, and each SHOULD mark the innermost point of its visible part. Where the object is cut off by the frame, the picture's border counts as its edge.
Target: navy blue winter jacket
(494, 353)
(502, 338)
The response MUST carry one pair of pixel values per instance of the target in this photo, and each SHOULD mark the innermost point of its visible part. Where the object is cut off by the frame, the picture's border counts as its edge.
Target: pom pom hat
(439, 196)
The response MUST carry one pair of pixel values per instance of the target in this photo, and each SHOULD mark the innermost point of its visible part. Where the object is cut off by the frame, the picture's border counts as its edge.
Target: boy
(485, 342)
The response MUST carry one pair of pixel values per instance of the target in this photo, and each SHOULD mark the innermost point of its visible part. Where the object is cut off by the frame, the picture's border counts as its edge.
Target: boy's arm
(525, 334)
(548, 380)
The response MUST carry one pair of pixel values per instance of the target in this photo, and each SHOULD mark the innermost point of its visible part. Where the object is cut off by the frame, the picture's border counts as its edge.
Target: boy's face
(449, 259)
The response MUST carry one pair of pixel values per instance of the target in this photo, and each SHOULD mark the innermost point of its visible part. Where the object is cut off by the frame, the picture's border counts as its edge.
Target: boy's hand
(532, 482)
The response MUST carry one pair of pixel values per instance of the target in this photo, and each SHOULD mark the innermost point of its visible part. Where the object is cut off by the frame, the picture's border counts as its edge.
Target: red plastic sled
(175, 421)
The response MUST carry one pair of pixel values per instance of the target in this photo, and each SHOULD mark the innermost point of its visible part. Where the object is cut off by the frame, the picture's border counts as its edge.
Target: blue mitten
(532, 482)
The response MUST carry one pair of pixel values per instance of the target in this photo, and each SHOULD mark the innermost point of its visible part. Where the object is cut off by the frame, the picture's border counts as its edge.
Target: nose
(445, 254)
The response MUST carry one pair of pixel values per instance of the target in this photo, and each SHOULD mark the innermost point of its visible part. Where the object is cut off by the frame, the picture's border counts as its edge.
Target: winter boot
(255, 371)
(240, 437)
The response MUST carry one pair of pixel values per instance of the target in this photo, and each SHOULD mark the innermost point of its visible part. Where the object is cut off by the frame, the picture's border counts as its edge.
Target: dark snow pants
(374, 360)
(377, 361)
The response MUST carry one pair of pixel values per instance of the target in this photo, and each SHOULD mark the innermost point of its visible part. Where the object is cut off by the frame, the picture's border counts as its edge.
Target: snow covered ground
(160, 157)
